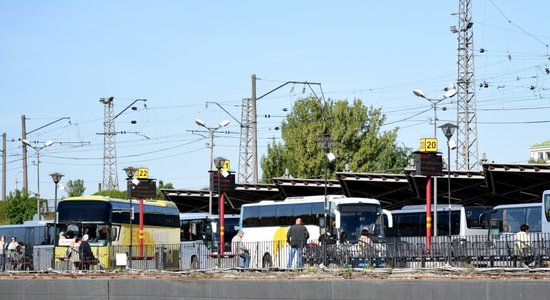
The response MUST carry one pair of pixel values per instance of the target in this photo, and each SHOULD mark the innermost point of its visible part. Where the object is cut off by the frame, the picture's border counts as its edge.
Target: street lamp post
(130, 172)
(219, 163)
(56, 177)
(37, 149)
(326, 143)
(449, 93)
(211, 131)
(449, 129)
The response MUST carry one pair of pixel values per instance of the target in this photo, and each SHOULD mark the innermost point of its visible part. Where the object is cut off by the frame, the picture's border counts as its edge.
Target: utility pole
(24, 147)
(245, 168)
(467, 141)
(254, 124)
(253, 117)
(3, 166)
(24, 154)
(245, 149)
(110, 173)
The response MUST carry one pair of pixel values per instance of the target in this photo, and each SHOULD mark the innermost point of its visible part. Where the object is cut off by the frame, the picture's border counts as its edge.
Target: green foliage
(357, 140)
(536, 161)
(75, 188)
(112, 194)
(160, 186)
(17, 208)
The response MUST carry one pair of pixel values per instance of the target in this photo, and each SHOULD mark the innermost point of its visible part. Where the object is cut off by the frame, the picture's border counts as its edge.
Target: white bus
(410, 221)
(266, 223)
(506, 219)
(199, 238)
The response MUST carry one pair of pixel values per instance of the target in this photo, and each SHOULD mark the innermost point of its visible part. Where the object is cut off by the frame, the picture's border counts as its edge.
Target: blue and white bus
(31, 235)
(200, 238)
(410, 221)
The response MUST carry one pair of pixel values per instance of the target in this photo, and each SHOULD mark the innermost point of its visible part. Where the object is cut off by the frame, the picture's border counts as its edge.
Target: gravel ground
(312, 273)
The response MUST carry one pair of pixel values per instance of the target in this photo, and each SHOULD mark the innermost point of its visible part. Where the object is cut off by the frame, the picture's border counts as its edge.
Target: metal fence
(410, 252)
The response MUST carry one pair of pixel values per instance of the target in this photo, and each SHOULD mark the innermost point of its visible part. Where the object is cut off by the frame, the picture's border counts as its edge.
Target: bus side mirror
(114, 234)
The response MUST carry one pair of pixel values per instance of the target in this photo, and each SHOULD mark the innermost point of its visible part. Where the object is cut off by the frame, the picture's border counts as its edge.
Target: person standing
(3, 250)
(522, 244)
(239, 249)
(296, 237)
(365, 243)
(12, 249)
(74, 257)
(86, 255)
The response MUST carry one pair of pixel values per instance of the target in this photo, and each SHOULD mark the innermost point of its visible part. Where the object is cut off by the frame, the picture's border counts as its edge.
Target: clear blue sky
(57, 58)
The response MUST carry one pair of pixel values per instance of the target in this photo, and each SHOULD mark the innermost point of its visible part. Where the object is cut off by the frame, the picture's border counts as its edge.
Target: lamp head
(419, 93)
(448, 129)
(26, 142)
(223, 123)
(56, 177)
(130, 171)
(219, 162)
(48, 143)
(450, 93)
(200, 122)
(326, 143)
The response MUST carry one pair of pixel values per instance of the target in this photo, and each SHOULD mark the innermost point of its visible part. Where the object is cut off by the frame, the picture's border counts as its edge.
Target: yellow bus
(106, 221)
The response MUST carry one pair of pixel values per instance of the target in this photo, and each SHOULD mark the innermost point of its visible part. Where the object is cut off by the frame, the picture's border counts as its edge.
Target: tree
(112, 194)
(356, 134)
(161, 185)
(75, 188)
(17, 208)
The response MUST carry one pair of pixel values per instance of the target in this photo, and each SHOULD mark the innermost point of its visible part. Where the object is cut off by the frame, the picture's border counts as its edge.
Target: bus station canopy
(493, 185)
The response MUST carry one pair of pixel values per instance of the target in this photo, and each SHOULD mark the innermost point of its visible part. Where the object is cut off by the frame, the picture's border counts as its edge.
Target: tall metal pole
(129, 187)
(4, 166)
(211, 132)
(55, 214)
(254, 133)
(38, 182)
(449, 185)
(24, 155)
(220, 216)
(141, 227)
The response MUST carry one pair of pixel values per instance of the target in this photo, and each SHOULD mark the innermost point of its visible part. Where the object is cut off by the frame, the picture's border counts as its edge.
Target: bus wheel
(194, 262)
(267, 262)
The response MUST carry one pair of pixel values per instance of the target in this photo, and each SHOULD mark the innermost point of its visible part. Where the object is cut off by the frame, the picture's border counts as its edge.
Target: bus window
(285, 215)
(533, 219)
(267, 215)
(251, 216)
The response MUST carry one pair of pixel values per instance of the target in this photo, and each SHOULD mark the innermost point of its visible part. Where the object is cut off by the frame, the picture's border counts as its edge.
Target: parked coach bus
(107, 223)
(200, 238)
(410, 221)
(266, 223)
(29, 235)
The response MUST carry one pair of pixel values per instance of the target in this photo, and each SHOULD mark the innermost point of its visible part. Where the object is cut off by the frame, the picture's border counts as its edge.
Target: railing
(410, 252)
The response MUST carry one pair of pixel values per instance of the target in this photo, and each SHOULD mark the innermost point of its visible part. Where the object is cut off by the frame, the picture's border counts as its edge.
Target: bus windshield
(356, 215)
(84, 211)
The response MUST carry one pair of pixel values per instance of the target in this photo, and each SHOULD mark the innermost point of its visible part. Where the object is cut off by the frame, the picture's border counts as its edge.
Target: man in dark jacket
(296, 237)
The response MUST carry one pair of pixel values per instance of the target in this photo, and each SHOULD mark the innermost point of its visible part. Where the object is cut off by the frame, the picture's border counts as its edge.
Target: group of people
(297, 237)
(9, 252)
(80, 253)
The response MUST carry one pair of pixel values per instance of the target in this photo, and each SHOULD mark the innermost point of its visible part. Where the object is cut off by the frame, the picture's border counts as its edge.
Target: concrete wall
(116, 289)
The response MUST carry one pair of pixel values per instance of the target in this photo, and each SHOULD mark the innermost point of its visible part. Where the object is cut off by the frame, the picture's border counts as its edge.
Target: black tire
(267, 262)
(195, 263)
